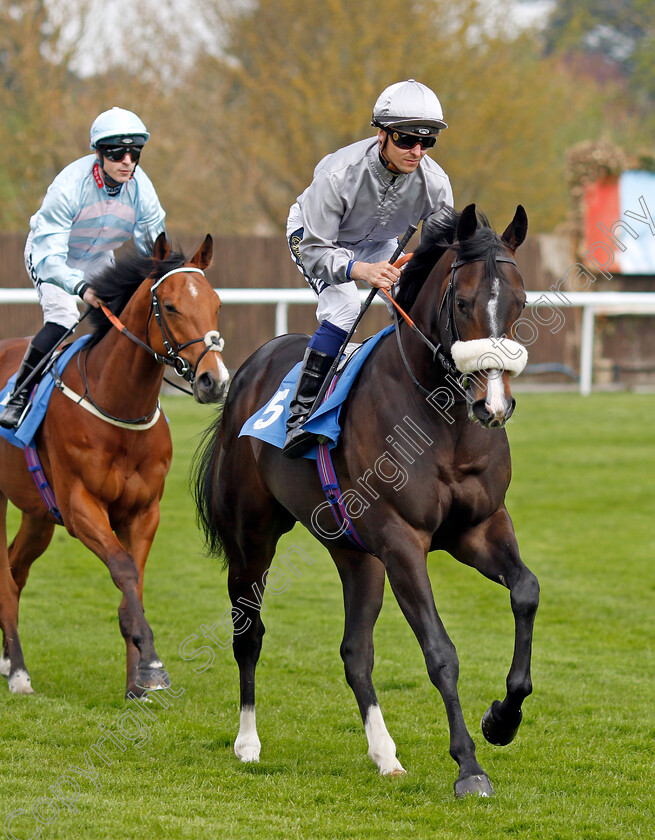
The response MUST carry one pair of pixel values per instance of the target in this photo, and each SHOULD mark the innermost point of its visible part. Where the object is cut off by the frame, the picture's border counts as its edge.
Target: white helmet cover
(121, 124)
(411, 106)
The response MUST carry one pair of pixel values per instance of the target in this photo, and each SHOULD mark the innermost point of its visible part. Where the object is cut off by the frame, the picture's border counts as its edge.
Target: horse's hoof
(20, 683)
(479, 785)
(494, 730)
(388, 765)
(152, 679)
(247, 750)
(398, 770)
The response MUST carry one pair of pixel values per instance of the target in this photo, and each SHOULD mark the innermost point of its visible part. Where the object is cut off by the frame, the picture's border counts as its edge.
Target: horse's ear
(203, 256)
(161, 248)
(467, 223)
(517, 229)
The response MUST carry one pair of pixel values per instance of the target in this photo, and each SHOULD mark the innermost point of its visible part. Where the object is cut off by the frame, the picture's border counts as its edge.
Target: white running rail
(591, 303)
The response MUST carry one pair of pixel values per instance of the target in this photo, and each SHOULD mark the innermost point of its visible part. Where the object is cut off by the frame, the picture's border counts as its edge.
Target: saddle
(24, 435)
(269, 423)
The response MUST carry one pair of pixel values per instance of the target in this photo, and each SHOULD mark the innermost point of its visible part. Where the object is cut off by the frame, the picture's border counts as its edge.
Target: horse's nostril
(480, 411)
(208, 388)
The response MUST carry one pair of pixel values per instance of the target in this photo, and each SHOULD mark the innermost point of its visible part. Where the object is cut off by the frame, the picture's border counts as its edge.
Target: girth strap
(45, 491)
(330, 485)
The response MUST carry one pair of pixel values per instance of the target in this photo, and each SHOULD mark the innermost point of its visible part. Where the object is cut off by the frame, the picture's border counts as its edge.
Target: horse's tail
(203, 469)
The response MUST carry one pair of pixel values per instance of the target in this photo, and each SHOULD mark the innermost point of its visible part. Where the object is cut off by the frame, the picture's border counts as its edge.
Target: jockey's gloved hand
(89, 295)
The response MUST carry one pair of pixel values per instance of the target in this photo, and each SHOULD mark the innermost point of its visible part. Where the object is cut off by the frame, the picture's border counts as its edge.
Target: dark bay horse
(423, 463)
(107, 464)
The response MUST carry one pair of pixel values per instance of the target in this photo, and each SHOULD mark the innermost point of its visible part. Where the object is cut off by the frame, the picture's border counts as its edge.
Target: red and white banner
(619, 225)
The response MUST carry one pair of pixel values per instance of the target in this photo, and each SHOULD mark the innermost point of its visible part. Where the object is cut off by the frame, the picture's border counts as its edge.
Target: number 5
(273, 408)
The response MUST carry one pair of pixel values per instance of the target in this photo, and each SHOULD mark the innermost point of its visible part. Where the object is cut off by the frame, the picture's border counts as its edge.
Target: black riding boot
(315, 366)
(15, 407)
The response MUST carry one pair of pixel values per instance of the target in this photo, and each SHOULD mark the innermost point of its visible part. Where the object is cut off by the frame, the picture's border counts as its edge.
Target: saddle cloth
(24, 435)
(270, 422)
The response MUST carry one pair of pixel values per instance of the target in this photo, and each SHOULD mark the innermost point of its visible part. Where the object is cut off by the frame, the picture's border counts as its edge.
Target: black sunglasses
(408, 141)
(117, 153)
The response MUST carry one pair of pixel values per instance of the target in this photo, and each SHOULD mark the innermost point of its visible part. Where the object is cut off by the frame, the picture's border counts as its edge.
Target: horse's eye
(170, 309)
(461, 304)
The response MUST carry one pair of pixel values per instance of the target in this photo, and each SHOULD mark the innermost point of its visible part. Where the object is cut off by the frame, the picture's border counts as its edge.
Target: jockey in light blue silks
(345, 226)
(94, 205)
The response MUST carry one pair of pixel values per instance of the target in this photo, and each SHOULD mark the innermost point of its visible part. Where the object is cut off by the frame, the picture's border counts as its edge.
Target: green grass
(581, 766)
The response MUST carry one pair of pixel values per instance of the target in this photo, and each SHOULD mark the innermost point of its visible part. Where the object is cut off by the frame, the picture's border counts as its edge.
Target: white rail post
(281, 318)
(587, 350)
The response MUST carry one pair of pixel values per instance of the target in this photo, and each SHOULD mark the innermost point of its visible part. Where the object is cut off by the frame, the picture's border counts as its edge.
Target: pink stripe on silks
(107, 207)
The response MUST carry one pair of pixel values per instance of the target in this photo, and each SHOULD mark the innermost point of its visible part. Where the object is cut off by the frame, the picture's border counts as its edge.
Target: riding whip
(411, 230)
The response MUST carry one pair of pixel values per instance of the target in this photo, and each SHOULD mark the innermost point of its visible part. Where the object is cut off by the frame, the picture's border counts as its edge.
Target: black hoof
(150, 679)
(472, 785)
(494, 730)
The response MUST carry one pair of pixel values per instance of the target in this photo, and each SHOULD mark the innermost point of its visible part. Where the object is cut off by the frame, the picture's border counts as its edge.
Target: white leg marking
(20, 683)
(247, 745)
(5, 666)
(381, 748)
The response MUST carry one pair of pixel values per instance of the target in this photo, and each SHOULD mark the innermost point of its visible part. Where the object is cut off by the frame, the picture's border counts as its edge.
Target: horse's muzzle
(481, 412)
(208, 388)
(494, 404)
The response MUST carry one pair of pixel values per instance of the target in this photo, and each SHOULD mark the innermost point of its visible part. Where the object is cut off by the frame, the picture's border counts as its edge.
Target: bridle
(212, 340)
(439, 351)
(448, 299)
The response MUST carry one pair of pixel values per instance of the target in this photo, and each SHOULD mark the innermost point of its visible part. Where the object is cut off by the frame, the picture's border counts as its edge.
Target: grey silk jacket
(353, 201)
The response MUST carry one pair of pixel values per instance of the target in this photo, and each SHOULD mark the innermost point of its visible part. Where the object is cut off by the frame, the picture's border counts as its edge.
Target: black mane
(117, 283)
(436, 238)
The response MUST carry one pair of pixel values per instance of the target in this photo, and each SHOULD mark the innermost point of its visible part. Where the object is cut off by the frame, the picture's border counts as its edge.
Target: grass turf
(581, 766)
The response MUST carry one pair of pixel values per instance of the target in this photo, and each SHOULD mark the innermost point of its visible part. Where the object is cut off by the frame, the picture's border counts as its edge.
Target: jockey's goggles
(407, 141)
(117, 153)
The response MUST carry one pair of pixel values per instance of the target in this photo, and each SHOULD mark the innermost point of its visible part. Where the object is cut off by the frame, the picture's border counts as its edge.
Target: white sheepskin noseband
(489, 354)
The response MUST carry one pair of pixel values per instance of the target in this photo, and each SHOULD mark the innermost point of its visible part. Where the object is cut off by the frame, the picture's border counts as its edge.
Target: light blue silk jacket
(74, 233)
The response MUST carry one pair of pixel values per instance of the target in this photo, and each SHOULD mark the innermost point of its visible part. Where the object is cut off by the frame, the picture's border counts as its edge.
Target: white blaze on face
(493, 307)
(223, 373)
(495, 401)
(192, 287)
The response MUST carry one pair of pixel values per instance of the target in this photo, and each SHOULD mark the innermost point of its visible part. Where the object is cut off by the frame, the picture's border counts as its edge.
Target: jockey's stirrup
(315, 367)
(13, 411)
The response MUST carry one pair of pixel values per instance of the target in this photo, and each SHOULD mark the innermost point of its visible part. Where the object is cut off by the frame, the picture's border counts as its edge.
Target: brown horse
(107, 464)
(423, 463)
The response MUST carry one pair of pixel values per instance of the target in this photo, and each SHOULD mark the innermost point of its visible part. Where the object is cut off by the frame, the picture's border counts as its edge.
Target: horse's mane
(437, 237)
(116, 284)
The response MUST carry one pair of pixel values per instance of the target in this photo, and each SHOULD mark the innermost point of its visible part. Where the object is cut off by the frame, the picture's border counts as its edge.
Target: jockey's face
(402, 161)
(119, 171)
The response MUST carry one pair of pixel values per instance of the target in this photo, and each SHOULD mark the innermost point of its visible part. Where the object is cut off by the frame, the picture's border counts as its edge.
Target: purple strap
(34, 466)
(332, 491)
